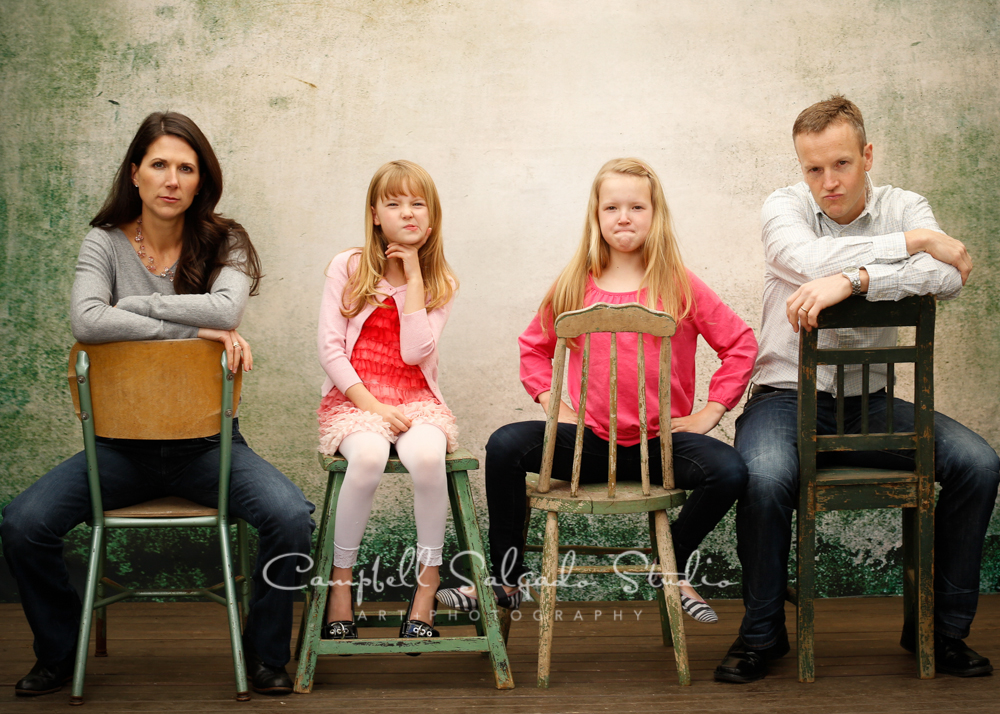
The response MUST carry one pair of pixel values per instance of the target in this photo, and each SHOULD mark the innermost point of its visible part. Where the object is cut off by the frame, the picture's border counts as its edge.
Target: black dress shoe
(742, 665)
(45, 679)
(265, 679)
(951, 655)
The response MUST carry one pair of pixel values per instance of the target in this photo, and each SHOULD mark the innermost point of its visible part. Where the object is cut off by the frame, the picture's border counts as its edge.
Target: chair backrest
(154, 389)
(857, 312)
(603, 317)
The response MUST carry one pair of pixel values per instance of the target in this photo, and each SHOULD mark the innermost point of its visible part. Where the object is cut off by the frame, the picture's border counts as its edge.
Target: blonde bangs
(393, 179)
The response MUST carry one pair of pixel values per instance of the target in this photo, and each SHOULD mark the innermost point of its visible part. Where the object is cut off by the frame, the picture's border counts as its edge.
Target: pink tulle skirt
(338, 417)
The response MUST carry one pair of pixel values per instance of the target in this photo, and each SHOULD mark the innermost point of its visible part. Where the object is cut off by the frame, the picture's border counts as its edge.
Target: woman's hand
(237, 349)
(701, 422)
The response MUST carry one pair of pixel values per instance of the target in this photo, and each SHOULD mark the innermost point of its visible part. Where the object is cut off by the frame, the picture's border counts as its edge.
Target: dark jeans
(712, 470)
(35, 522)
(766, 435)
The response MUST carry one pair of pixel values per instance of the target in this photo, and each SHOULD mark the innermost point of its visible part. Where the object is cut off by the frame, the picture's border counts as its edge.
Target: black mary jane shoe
(45, 679)
(412, 629)
(341, 629)
(742, 665)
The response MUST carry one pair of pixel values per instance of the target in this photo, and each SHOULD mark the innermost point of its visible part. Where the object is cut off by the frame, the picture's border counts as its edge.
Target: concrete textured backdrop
(512, 107)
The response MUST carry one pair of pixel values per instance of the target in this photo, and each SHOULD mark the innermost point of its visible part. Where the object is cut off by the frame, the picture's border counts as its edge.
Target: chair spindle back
(613, 319)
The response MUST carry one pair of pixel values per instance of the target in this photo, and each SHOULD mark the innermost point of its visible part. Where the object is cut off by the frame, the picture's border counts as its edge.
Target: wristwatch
(854, 275)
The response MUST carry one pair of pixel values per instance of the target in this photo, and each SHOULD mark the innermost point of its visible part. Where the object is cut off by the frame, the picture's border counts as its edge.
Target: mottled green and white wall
(512, 107)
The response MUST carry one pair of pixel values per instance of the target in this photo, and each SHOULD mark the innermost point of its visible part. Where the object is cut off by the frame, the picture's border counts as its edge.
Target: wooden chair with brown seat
(162, 389)
(613, 498)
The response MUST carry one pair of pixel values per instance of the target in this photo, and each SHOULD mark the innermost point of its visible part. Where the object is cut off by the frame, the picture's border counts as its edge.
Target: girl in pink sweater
(628, 254)
(384, 307)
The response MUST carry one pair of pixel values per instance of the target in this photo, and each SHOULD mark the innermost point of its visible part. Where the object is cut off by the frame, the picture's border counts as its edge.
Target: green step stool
(488, 636)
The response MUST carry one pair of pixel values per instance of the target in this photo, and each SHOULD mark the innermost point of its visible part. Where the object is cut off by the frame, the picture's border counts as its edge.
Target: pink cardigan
(418, 332)
(711, 318)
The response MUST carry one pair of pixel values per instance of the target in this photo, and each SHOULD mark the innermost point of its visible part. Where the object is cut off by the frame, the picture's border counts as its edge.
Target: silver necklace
(150, 263)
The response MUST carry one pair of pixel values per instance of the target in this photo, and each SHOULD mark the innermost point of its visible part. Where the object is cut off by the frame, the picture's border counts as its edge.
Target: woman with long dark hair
(160, 263)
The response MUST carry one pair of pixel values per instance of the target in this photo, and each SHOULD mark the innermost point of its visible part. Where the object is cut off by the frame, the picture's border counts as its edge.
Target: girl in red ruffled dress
(384, 307)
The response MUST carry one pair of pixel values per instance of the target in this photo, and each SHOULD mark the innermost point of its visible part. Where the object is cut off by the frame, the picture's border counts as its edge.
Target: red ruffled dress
(379, 364)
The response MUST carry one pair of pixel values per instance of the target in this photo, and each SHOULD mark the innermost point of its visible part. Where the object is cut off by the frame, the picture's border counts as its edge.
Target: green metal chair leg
(232, 610)
(101, 646)
(243, 553)
(87, 615)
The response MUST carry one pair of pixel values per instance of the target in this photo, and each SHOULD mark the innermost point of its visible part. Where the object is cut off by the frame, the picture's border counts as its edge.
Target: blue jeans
(35, 522)
(712, 470)
(966, 466)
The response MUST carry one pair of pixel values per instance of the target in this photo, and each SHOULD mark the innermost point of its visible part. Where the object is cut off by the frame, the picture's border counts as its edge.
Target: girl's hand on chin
(409, 255)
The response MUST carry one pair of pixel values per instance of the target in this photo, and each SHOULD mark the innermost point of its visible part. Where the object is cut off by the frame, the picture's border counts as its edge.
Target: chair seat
(850, 476)
(593, 497)
(459, 460)
(168, 507)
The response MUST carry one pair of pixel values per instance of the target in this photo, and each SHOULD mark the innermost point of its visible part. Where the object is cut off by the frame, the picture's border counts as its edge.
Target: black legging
(713, 471)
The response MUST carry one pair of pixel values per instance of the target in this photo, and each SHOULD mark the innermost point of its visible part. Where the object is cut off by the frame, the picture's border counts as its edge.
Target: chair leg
(547, 603)
(923, 559)
(101, 646)
(806, 592)
(661, 598)
(470, 540)
(86, 616)
(312, 616)
(672, 594)
(468, 552)
(233, 612)
(243, 556)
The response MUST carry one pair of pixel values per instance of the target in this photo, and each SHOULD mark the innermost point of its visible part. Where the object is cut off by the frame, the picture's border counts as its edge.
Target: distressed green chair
(486, 619)
(848, 487)
(159, 389)
(555, 496)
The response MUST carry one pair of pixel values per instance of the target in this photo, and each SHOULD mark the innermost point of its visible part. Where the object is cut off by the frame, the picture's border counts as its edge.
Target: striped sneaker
(699, 610)
(456, 599)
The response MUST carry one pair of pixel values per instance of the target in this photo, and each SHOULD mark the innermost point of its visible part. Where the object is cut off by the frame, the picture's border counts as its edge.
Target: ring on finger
(802, 309)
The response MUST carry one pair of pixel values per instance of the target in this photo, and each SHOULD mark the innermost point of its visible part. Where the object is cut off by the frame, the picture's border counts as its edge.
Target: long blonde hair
(393, 179)
(665, 280)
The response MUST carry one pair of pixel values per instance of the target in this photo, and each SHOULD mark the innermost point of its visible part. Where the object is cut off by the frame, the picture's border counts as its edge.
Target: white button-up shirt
(801, 243)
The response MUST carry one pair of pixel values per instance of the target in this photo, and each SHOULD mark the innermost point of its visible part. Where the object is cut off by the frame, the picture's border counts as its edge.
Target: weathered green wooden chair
(488, 636)
(555, 496)
(159, 389)
(846, 487)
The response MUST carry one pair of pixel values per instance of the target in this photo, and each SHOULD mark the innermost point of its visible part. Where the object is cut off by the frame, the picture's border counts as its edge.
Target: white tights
(422, 450)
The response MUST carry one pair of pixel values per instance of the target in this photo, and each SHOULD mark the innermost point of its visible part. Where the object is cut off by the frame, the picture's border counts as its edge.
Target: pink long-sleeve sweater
(711, 318)
(418, 332)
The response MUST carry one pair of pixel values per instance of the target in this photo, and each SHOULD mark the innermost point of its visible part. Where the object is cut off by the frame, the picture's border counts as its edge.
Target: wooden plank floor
(608, 658)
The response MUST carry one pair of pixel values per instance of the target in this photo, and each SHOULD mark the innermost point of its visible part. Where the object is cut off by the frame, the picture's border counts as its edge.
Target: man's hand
(701, 422)
(940, 247)
(805, 304)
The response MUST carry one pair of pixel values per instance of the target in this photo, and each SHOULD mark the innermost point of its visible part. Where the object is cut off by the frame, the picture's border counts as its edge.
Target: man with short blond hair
(829, 237)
